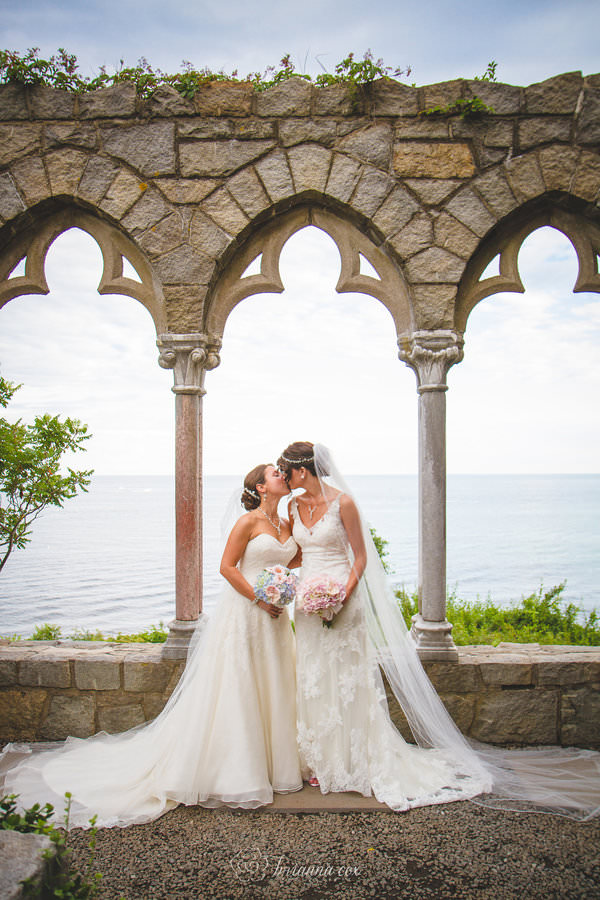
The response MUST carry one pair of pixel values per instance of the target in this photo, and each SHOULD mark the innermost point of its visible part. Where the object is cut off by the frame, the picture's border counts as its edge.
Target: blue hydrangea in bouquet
(276, 585)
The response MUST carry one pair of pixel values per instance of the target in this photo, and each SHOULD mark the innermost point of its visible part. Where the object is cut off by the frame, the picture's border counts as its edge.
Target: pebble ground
(457, 850)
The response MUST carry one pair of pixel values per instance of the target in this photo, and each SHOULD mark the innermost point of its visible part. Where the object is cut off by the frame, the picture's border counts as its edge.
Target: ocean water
(106, 560)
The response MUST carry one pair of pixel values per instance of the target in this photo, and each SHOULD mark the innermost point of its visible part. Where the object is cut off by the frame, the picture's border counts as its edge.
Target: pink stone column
(189, 356)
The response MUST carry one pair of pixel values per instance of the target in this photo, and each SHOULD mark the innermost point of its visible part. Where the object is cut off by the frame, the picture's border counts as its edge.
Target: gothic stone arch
(188, 189)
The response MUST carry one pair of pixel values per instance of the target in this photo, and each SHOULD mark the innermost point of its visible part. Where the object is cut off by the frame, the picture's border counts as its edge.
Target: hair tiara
(303, 459)
(252, 493)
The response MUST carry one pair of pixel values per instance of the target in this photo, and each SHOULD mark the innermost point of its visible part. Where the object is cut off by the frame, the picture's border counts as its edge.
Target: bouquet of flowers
(276, 585)
(322, 595)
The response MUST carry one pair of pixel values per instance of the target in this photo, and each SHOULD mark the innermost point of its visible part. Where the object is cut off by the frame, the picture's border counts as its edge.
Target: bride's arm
(351, 522)
(233, 552)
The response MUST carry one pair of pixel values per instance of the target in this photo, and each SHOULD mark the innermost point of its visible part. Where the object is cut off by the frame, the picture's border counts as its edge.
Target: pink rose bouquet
(276, 585)
(321, 595)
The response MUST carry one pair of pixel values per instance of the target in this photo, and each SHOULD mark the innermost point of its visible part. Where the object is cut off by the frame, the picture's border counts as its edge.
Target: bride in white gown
(346, 738)
(228, 732)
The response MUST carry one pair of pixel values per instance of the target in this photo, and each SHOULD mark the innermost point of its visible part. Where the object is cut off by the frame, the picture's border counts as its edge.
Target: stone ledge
(517, 693)
(20, 858)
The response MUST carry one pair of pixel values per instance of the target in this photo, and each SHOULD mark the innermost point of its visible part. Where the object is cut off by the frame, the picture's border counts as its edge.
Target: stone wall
(517, 694)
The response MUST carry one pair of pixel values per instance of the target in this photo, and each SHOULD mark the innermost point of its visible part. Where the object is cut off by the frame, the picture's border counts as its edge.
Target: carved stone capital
(190, 356)
(430, 354)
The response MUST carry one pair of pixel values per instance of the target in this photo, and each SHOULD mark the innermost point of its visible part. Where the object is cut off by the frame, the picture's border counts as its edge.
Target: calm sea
(106, 560)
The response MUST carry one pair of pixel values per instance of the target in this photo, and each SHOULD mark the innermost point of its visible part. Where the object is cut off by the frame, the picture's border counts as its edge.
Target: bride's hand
(273, 611)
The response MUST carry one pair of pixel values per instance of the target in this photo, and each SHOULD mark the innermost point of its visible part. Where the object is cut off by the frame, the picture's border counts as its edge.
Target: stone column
(189, 355)
(430, 354)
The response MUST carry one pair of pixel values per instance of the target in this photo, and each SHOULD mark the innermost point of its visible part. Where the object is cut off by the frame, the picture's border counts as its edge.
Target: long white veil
(559, 780)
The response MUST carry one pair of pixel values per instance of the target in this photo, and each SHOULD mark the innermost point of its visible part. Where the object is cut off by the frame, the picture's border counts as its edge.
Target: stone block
(167, 101)
(469, 209)
(139, 675)
(11, 202)
(334, 100)
(18, 141)
(164, 236)
(371, 190)
(496, 192)
(558, 166)
(41, 672)
(187, 190)
(516, 671)
(435, 266)
(149, 148)
(432, 191)
(24, 857)
(517, 716)
(275, 175)
(462, 710)
(372, 145)
(389, 97)
(434, 306)
(222, 209)
(31, 179)
(13, 103)
(215, 158)
(247, 190)
(452, 235)
(68, 715)
(185, 265)
(490, 156)
(562, 672)
(450, 677)
(289, 98)
(443, 94)
(153, 705)
(59, 134)
(206, 129)
(120, 718)
(184, 306)
(65, 168)
(51, 103)
(309, 165)
(149, 209)
(97, 673)
(8, 672)
(110, 102)
(395, 211)
(555, 95)
(533, 132)
(224, 98)
(343, 177)
(588, 120)
(254, 129)
(299, 131)
(98, 175)
(499, 134)
(417, 235)
(433, 160)
(587, 176)
(422, 127)
(580, 718)
(122, 194)
(524, 177)
(505, 99)
(206, 236)
(21, 714)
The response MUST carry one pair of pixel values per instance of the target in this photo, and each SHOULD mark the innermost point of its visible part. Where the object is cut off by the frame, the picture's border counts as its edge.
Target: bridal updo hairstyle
(299, 455)
(250, 497)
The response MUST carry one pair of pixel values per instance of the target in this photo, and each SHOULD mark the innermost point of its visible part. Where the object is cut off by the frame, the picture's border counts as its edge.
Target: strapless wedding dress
(226, 736)
(345, 734)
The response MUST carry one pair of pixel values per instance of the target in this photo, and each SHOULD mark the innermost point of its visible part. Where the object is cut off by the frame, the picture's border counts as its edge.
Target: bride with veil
(346, 739)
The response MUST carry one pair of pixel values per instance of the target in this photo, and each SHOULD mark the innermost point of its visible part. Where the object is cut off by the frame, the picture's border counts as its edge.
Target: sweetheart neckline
(273, 538)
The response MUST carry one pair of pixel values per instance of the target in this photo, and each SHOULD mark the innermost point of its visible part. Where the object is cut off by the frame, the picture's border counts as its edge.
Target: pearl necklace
(267, 516)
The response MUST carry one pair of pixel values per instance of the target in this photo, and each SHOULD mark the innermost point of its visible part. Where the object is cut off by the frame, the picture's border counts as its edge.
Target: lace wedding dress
(345, 735)
(226, 736)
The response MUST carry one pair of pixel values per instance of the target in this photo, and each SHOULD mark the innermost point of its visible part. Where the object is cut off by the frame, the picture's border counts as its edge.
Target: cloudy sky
(311, 364)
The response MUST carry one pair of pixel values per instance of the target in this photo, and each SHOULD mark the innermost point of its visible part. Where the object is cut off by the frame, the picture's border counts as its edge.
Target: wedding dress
(346, 737)
(226, 736)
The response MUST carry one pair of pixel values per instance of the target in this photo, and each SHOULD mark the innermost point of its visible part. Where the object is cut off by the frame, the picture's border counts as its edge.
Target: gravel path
(456, 850)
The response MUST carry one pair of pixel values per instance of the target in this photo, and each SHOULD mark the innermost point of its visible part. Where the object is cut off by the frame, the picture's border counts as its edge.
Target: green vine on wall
(470, 107)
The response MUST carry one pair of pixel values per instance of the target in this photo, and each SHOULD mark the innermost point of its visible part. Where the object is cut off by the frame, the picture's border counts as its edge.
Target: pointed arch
(31, 245)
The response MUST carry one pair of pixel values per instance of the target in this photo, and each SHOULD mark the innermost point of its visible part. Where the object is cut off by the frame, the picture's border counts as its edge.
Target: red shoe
(314, 782)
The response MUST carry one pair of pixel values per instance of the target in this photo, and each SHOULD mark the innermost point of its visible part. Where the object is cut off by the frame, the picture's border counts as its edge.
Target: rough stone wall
(189, 181)
(518, 694)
